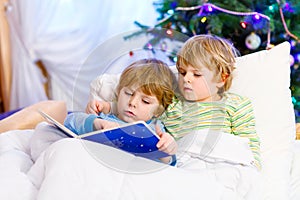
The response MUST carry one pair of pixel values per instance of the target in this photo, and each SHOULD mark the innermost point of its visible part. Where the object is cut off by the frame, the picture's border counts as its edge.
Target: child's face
(134, 105)
(198, 85)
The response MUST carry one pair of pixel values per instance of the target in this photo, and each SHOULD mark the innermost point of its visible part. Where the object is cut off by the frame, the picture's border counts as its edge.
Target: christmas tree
(252, 25)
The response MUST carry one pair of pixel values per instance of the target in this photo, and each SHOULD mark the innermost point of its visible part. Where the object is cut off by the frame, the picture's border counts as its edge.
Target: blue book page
(136, 138)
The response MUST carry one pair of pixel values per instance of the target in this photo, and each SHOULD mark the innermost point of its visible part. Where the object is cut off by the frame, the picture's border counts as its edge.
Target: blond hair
(215, 53)
(152, 77)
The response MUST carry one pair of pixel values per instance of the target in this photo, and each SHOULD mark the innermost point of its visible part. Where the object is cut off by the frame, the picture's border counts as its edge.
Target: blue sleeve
(159, 123)
(173, 161)
(80, 122)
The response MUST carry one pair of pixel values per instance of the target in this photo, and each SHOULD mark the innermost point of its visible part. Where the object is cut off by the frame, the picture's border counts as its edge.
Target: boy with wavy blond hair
(205, 64)
(145, 90)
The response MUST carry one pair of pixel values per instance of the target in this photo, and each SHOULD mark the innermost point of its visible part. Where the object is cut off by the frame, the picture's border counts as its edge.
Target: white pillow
(264, 77)
(103, 87)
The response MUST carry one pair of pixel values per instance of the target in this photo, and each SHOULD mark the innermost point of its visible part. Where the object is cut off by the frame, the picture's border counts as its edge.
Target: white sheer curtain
(62, 33)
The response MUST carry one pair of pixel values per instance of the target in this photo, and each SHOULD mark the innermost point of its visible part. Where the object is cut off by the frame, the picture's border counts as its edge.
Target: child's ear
(224, 77)
(222, 80)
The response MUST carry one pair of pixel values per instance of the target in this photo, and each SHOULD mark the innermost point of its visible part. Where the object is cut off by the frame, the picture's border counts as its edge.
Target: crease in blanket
(85, 176)
(228, 156)
(44, 135)
(216, 147)
(15, 161)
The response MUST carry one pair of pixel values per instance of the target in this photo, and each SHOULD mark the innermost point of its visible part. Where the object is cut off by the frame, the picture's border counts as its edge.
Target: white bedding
(274, 114)
(15, 161)
(74, 169)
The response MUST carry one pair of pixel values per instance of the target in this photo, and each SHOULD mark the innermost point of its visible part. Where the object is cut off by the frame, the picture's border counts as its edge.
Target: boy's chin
(189, 97)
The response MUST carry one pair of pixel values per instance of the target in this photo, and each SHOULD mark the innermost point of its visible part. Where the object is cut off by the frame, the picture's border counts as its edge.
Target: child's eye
(128, 93)
(182, 72)
(146, 101)
(197, 75)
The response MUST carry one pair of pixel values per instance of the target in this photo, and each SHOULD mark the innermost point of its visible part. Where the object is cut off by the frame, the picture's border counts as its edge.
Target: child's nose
(187, 78)
(133, 101)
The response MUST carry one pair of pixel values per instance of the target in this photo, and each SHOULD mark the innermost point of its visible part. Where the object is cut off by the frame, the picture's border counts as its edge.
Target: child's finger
(168, 144)
(89, 110)
(160, 135)
(170, 149)
(158, 130)
(164, 143)
(98, 106)
(93, 109)
(165, 146)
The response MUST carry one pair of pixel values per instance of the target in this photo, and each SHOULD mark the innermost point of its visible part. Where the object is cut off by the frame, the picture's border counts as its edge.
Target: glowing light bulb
(210, 9)
(203, 19)
(170, 12)
(257, 17)
(271, 8)
(175, 59)
(297, 56)
(243, 25)
(149, 46)
(169, 32)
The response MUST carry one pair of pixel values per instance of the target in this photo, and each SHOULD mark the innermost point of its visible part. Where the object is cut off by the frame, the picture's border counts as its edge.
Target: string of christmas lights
(252, 41)
(284, 23)
(209, 7)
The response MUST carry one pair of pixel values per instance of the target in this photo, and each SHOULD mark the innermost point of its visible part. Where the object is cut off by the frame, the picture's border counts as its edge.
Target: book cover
(136, 138)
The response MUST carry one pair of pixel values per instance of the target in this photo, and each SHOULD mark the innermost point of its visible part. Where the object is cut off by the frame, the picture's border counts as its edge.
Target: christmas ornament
(292, 60)
(130, 53)
(252, 41)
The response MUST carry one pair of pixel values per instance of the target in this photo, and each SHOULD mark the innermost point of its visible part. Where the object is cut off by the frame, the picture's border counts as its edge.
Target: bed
(76, 174)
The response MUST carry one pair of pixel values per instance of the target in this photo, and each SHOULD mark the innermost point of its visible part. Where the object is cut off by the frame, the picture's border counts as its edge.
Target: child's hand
(166, 142)
(104, 124)
(94, 107)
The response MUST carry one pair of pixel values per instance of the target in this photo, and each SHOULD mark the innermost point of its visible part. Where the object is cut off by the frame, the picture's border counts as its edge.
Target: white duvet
(77, 169)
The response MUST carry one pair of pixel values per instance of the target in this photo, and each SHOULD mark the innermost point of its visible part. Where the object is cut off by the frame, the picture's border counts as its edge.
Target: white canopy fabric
(62, 34)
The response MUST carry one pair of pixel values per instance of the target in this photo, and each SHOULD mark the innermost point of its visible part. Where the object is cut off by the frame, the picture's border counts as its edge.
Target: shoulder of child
(177, 101)
(235, 98)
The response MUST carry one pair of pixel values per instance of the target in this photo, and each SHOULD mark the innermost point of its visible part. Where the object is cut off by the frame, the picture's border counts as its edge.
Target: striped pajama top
(233, 114)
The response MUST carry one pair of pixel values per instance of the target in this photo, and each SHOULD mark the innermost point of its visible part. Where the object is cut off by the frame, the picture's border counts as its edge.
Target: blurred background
(45, 45)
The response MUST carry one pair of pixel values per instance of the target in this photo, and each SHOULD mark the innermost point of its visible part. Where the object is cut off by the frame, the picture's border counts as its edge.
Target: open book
(136, 138)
